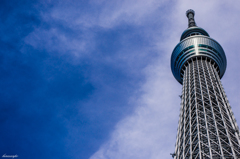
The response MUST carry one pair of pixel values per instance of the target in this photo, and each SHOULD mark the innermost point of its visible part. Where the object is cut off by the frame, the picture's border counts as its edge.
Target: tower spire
(190, 14)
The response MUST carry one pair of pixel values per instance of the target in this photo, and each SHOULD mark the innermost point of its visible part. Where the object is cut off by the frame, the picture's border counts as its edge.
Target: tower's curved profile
(207, 128)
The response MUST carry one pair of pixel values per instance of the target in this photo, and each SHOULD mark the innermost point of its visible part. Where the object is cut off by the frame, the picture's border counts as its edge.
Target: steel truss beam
(207, 128)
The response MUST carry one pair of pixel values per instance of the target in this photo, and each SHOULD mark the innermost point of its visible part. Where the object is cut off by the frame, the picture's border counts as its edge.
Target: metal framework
(207, 128)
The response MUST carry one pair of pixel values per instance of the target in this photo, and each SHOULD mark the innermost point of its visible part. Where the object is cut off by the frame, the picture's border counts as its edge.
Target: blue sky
(92, 79)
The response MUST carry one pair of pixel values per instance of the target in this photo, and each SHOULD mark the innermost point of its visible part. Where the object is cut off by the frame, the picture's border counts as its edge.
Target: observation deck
(195, 43)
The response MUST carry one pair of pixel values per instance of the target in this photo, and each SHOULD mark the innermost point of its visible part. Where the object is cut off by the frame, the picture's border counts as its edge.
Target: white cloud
(151, 130)
(106, 14)
(55, 40)
(102, 15)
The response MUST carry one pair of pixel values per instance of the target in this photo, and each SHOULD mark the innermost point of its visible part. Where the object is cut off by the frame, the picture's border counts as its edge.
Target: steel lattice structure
(207, 128)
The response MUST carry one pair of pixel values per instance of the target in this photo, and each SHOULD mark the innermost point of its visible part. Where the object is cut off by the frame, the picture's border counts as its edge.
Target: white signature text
(10, 156)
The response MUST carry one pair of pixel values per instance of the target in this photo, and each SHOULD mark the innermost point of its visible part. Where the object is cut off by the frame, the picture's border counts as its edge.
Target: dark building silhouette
(207, 128)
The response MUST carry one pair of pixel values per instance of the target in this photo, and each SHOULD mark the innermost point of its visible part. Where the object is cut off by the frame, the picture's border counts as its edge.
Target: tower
(207, 128)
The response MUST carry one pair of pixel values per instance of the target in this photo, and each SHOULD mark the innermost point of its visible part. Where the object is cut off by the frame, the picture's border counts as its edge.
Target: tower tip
(190, 15)
(190, 11)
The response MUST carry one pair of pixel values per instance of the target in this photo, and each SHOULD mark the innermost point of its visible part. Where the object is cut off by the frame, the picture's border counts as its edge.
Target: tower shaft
(207, 127)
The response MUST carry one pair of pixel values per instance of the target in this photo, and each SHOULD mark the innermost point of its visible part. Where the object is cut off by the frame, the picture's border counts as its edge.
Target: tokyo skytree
(207, 128)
